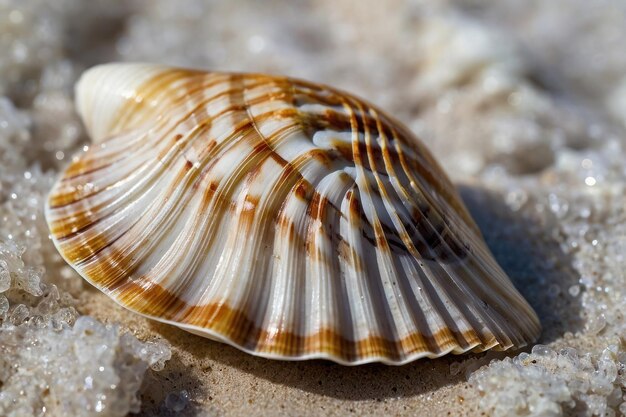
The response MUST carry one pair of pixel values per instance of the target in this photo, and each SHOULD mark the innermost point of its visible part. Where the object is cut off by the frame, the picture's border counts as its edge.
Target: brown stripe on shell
(241, 330)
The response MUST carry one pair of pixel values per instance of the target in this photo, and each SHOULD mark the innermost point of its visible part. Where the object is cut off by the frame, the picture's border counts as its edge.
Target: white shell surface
(288, 219)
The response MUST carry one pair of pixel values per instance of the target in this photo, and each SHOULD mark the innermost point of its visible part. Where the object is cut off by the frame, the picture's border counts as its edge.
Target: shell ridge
(433, 317)
(64, 195)
(287, 261)
(369, 284)
(271, 151)
(116, 194)
(403, 279)
(329, 217)
(182, 226)
(440, 279)
(393, 215)
(402, 215)
(465, 292)
(388, 329)
(427, 219)
(130, 143)
(387, 268)
(154, 225)
(352, 264)
(442, 185)
(433, 335)
(264, 227)
(158, 172)
(147, 156)
(269, 144)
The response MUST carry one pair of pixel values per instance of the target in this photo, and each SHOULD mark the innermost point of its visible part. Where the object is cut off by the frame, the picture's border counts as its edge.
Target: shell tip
(102, 90)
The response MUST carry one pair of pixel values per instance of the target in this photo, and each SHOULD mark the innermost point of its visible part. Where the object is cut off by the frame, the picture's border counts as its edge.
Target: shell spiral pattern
(286, 218)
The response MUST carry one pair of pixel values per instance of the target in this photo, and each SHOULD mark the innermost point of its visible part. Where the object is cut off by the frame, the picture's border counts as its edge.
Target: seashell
(286, 218)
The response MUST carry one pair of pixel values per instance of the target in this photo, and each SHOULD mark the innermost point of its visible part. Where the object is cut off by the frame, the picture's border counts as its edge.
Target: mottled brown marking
(236, 107)
(354, 206)
(301, 190)
(248, 208)
(317, 207)
(262, 147)
(379, 234)
(212, 188)
(345, 149)
(271, 96)
(322, 156)
(348, 254)
(376, 158)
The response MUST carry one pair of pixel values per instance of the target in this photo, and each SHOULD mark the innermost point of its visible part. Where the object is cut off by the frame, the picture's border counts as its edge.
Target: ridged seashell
(286, 218)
